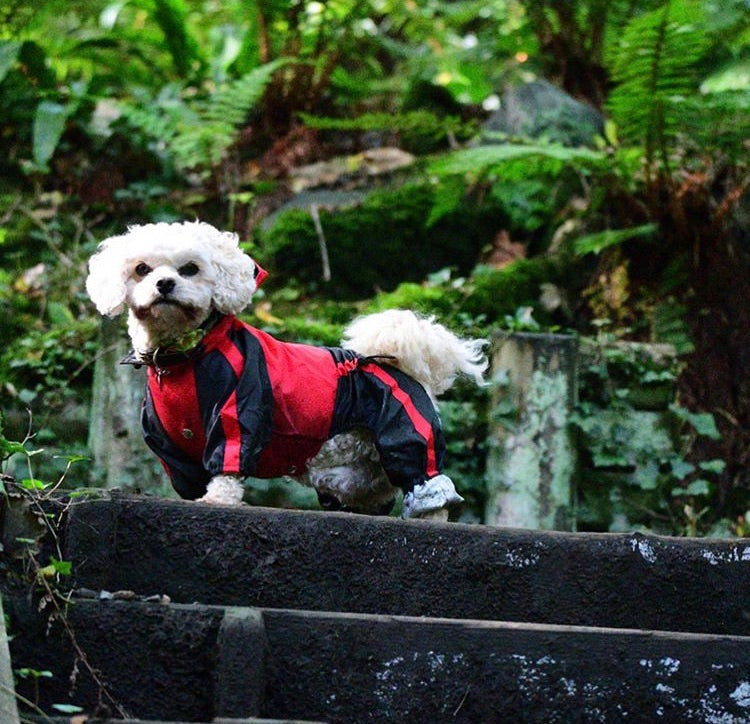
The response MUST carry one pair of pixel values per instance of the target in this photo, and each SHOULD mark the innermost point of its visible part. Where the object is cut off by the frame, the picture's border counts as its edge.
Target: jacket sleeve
(240, 428)
(188, 479)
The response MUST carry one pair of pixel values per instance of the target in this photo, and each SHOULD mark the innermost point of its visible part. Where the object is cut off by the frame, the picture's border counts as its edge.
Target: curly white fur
(225, 279)
(420, 346)
(224, 490)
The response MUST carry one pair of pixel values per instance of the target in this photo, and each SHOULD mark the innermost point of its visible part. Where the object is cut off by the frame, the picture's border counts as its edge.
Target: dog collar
(167, 356)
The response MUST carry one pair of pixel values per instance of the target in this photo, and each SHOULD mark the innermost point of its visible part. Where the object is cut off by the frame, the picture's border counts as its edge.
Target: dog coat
(243, 403)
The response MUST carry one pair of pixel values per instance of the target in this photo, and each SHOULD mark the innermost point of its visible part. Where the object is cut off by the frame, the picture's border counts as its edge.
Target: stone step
(342, 562)
(176, 662)
(38, 719)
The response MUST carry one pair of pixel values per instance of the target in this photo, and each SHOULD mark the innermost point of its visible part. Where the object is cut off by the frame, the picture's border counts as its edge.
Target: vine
(45, 579)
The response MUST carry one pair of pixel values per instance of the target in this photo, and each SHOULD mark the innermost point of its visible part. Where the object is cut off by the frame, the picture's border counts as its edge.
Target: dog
(225, 401)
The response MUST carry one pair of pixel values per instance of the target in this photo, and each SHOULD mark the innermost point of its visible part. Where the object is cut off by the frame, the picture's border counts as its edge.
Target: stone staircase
(343, 618)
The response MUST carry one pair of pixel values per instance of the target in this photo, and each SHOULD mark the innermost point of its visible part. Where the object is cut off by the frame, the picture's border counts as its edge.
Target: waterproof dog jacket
(244, 403)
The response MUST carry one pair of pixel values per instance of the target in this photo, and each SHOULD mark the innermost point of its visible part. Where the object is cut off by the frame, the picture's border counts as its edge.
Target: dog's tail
(420, 346)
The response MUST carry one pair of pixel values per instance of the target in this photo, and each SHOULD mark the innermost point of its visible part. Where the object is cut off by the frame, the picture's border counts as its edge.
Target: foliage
(196, 136)
(33, 567)
(500, 292)
(417, 130)
(655, 67)
(596, 242)
(637, 471)
(375, 245)
(41, 367)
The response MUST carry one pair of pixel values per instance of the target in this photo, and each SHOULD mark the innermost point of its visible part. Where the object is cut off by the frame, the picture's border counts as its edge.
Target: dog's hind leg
(409, 439)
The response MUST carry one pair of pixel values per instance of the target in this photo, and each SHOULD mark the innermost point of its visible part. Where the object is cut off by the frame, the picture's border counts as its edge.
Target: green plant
(640, 466)
(38, 507)
(531, 183)
(655, 66)
(50, 367)
(198, 134)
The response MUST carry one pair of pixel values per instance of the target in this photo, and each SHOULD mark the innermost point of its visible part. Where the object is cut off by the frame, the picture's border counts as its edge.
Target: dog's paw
(431, 499)
(223, 490)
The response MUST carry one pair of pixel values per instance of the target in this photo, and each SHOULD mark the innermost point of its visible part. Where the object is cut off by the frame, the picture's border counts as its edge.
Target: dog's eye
(188, 270)
(143, 269)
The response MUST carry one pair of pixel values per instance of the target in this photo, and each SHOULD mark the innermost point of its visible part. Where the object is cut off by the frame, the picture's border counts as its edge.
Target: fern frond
(171, 17)
(232, 103)
(481, 159)
(655, 67)
(595, 243)
(204, 143)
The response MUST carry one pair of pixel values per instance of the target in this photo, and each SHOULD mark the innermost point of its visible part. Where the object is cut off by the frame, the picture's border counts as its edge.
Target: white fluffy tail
(422, 348)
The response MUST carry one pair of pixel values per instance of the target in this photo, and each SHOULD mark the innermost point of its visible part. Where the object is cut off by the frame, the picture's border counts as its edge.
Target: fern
(655, 67)
(423, 121)
(482, 159)
(669, 325)
(197, 136)
(232, 103)
(171, 17)
(597, 242)
(509, 163)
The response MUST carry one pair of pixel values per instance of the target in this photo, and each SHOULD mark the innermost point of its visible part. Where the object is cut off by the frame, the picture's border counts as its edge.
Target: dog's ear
(236, 275)
(105, 283)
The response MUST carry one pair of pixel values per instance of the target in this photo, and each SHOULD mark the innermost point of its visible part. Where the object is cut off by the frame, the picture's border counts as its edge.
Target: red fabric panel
(176, 406)
(231, 426)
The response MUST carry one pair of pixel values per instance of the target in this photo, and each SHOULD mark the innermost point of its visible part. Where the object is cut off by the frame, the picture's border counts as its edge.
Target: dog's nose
(165, 286)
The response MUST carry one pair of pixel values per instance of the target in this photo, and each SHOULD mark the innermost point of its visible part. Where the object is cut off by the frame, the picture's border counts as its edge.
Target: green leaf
(702, 422)
(71, 458)
(59, 313)
(63, 568)
(28, 673)
(171, 17)
(9, 447)
(49, 123)
(595, 243)
(480, 158)
(697, 487)
(681, 468)
(67, 708)
(32, 484)
(654, 66)
(713, 466)
(9, 50)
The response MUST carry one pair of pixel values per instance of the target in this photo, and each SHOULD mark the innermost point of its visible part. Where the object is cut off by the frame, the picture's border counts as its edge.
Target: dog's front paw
(223, 490)
(430, 500)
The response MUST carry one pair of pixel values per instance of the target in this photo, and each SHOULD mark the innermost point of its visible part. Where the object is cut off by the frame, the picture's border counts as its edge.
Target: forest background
(576, 166)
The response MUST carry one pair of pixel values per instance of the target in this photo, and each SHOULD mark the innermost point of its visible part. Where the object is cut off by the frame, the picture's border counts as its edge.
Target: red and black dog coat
(243, 403)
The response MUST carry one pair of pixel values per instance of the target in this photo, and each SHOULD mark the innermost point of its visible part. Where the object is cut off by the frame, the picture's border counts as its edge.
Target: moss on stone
(497, 292)
(385, 240)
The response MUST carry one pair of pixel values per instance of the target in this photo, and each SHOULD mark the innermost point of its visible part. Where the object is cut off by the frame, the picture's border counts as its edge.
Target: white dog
(225, 400)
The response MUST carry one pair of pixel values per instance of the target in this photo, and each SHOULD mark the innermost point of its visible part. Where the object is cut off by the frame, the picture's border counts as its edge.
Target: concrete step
(39, 719)
(194, 663)
(341, 562)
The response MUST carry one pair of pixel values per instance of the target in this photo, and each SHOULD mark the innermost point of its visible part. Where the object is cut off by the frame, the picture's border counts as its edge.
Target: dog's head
(170, 277)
